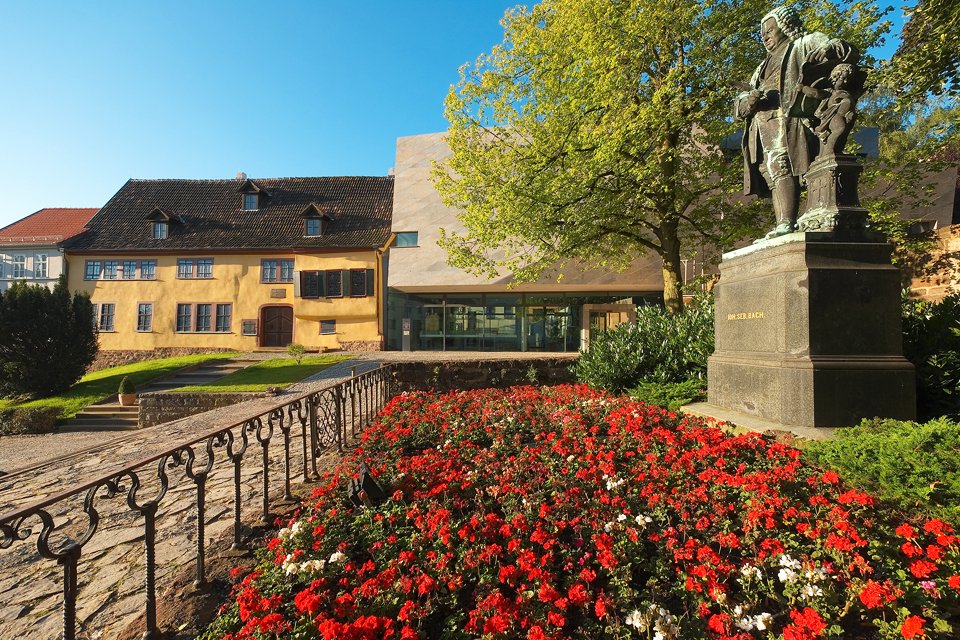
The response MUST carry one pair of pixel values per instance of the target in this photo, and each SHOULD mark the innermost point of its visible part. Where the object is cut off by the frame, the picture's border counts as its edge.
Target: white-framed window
(103, 316)
(276, 270)
(19, 267)
(110, 268)
(148, 269)
(204, 317)
(312, 227)
(251, 201)
(128, 270)
(145, 317)
(189, 268)
(40, 266)
(159, 230)
(407, 239)
(328, 327)
(92, 270)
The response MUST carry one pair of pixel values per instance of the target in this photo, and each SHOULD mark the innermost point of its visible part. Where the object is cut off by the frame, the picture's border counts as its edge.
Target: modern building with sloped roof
(31, 248)
(237, 264)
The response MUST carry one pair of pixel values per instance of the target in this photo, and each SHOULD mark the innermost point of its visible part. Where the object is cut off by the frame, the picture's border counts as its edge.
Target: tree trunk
(672, 268)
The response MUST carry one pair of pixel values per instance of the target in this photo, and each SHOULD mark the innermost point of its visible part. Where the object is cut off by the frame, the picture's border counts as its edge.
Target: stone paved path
(111, 571)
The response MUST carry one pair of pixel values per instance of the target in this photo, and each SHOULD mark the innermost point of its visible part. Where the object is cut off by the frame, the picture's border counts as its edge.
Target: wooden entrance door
(277, 323)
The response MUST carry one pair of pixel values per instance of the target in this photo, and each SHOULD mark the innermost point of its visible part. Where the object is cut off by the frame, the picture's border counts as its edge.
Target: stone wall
(942, 269)
(160, 407)
(107, 359)
(362, 345)
(478, 374)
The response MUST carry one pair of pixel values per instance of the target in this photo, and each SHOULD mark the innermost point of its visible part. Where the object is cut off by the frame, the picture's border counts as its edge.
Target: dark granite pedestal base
(808, 334)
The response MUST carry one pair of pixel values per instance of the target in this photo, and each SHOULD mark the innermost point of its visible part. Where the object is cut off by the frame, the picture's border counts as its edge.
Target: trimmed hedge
(28, 420)
(910, 464)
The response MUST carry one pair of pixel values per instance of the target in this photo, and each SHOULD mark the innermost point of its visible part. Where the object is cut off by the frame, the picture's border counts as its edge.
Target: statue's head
(788, 21)
(841, 74)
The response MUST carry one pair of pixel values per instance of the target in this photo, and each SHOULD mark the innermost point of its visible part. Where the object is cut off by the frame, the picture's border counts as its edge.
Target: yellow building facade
(178, 296)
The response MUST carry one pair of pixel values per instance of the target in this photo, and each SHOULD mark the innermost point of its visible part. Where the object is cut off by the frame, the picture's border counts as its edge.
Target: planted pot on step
(127, 393)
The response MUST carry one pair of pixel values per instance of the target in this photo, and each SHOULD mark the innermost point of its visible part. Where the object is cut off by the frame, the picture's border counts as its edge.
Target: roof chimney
(241, 175)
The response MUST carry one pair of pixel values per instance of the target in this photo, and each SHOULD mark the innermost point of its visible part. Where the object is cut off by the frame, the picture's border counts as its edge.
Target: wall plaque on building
(278, 293)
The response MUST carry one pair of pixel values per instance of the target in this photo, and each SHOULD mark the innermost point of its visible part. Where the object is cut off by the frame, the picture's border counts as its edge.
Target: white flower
(750, 571)
(810, 591)
(787, 575)
(621, 517)
(337, 557)
(608, 527)
(790, 563)
(745, 623)
(643, 520)
(571, 458)
(636, 619)
(763, 621)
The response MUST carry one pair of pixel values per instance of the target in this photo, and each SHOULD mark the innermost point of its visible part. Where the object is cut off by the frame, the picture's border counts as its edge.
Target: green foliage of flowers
(660, 347)
(931, 341)
(912, 465)
(670, 395)
(564, 512)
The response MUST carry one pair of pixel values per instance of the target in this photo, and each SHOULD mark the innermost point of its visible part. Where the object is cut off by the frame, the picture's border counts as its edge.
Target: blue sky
(93, 92)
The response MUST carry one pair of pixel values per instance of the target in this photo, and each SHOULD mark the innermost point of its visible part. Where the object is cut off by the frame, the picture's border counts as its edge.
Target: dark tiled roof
(53, 224)
(208, 215)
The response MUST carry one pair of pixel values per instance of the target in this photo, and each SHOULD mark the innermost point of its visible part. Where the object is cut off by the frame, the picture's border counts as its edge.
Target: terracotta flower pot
(127, 399)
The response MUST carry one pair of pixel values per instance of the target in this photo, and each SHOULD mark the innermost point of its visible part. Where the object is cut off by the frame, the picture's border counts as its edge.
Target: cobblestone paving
(111, 570)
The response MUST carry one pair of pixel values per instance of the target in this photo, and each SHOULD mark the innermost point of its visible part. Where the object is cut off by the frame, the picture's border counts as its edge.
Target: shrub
(565, 513)
(660, 347)
(931, 341)
(47, 339)
(126, 387)
(907, 463)
(670, 395)
(28, 420)
(296, 351)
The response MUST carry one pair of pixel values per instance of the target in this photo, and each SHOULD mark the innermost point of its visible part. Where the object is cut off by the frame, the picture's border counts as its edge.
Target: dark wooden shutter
(370, 282)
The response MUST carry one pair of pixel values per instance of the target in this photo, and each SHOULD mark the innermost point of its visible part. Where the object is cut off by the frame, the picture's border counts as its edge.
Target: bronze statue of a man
(778, 140)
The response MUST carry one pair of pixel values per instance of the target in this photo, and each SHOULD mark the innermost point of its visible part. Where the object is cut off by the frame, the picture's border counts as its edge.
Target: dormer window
(252, 195)
(160, 221)
(316, 219)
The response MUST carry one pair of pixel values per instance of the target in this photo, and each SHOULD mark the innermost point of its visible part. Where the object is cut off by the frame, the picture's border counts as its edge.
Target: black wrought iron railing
(306, 427)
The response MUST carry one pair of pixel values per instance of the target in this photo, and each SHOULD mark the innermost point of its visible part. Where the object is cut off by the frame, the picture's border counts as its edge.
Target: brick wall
(942, 269)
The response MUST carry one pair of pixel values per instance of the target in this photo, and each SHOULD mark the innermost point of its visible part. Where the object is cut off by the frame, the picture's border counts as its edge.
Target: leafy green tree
(47, 339)
(919, 138)
(928, 59)
(592, 134)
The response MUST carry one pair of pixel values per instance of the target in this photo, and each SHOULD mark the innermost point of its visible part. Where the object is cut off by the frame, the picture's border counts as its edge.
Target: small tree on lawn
(47, 339)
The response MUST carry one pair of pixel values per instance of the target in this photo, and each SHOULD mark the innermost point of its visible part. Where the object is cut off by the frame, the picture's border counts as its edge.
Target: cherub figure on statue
(837, 111)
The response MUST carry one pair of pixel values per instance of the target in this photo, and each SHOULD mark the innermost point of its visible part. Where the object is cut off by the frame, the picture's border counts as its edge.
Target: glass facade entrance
(495, 321)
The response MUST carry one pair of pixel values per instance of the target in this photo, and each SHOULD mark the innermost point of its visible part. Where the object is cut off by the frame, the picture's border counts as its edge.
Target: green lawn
(99, 385)
(279, 372)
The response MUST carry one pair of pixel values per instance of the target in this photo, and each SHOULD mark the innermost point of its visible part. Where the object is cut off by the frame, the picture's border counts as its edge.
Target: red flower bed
(565, 513)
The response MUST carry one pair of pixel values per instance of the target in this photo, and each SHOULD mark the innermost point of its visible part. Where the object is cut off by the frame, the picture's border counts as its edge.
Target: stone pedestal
(808, 333)
(833, 204)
